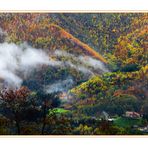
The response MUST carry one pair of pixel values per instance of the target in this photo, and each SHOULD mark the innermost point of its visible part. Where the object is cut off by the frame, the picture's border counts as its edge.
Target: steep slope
(131, 48)
(85, 48)
(44, 34)
(126, 88)
(78, 60)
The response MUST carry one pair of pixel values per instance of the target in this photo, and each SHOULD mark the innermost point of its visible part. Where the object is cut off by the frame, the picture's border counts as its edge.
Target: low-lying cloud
(60, 86)
(84, 60)
(18, 62)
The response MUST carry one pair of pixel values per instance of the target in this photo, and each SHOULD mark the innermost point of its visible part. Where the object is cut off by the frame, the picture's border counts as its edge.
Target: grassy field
(59, 111)
(127, 122)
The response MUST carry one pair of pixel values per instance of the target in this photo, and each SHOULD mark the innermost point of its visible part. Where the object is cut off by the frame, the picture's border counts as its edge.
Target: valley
(73, 74)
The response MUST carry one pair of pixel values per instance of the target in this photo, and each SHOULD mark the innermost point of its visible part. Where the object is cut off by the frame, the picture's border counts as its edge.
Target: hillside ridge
(69, 36)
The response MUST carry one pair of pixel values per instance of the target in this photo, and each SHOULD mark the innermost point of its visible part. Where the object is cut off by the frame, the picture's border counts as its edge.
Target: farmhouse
(132, 114)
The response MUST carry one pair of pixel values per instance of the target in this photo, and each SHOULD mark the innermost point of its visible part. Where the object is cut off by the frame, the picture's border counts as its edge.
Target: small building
(104, 116)
(134, 115)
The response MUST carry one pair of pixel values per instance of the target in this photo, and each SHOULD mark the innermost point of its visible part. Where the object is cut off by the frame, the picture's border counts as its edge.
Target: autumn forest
(73, 73)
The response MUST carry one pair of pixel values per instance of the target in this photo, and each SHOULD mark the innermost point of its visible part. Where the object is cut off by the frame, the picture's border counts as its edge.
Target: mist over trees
(73, 74)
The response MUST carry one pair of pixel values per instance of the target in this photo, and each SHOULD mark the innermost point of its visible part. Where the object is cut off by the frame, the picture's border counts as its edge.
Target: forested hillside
(74, 73)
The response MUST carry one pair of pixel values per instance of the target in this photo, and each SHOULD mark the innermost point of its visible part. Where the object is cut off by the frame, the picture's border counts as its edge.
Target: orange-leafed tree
(15, 103)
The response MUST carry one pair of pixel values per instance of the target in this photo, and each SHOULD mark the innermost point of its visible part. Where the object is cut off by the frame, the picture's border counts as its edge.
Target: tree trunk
(18, 127)
(44, 118)
(17, 122)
